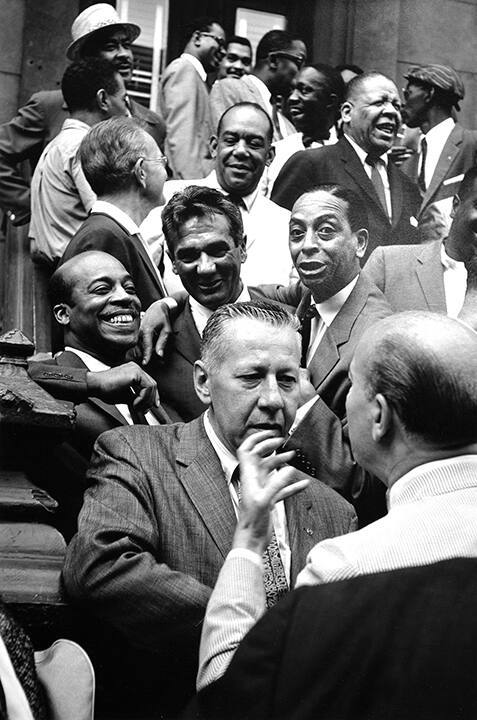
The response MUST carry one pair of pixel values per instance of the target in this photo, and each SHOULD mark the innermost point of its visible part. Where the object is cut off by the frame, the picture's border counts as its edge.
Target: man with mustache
(371, 117)
(96, 32)
(184, 98)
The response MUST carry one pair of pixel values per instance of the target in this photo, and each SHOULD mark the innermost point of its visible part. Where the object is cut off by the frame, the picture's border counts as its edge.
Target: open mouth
(295, 111)
(311, 267)
(120, 319)
(387, 129)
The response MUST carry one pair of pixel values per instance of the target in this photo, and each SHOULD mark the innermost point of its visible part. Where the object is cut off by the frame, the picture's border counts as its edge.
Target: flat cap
(440, 76)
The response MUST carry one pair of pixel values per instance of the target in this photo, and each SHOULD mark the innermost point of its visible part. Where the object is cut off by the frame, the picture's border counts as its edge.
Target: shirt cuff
(246, 554)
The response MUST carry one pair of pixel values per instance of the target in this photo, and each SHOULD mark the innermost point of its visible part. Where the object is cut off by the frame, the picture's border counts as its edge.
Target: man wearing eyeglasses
(126, 170)
(184, 99)
(278, 60)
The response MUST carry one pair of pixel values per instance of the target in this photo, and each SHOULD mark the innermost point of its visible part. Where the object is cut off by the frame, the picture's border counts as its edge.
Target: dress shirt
(436, 138)
(113, 211)
(327, 311)
(61, 197)
(95, 365)
(200, 313)
(431, 517)
(455, 282)
(229, 463)
(197, 65)
(381, 166)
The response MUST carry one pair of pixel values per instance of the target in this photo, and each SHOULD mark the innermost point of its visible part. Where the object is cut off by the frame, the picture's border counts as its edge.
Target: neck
(86, 116)
(420, 455)
(435, 116)
(191, 49)
(320, 294)
(130, 203)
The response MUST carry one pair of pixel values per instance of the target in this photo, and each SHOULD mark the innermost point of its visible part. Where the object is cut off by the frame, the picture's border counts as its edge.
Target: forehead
(318, 204)
(257, 343)
(311, 76)
(245, 121)
(90, 269)
(375, 86)
(107, 36)
(202, 229)
(242, 51)
(216, 29)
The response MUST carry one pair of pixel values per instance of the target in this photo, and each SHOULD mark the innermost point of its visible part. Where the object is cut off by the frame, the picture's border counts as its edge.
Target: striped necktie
(274, 577)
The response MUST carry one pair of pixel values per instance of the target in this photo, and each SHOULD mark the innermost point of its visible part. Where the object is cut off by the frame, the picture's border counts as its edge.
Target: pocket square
(456, 179)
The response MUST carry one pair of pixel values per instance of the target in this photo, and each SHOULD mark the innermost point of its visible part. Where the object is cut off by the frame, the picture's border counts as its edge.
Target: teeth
(117, 319)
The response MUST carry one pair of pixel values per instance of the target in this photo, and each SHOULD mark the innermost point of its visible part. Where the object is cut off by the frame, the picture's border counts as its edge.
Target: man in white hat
(96, 32)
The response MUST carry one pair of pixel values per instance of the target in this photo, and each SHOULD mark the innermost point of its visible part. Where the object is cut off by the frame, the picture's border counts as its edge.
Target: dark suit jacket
(410, 276)
(174, 375)
(458, 155)
(398, 645)
(101, 232)
(154, 530)
(25, 136)
(340, 164)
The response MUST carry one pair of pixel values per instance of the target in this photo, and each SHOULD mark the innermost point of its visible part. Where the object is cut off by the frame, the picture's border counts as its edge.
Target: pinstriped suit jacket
(155, 528)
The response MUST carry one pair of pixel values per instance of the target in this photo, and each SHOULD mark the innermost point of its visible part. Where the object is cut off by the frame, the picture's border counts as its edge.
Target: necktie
(421, 180)
(377, 181)
(274, 577)
(311, 313)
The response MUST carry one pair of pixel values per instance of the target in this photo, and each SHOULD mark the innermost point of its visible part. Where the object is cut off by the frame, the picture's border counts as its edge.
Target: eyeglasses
(220, 41)
(162, 160)
(297, 59)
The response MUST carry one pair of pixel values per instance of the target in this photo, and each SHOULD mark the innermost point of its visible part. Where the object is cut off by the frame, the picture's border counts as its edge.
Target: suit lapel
(302, 527)
(395, 187)
(353, 167)
(326, 355)
(186, 337)
(147, 263)
(69, 359)
(446, 158)
(202, 477)
(430, 276)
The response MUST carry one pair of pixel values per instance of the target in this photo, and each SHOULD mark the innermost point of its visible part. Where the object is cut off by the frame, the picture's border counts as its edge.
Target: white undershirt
(381, 166)
(95, 365)
(436, 138)
(455, 283)
(279, 520)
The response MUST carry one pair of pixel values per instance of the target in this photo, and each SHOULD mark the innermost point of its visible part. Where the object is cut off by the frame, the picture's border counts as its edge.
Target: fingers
(161, 341)
(155, 321)
(145, 389)
(145, 341)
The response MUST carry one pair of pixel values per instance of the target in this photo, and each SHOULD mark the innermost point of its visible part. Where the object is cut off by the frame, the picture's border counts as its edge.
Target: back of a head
(199, 24)
(424, 365)
(83, 79)
(272, 41)
(109, 153)
(197, 201)
(213, 346)
(334, 81)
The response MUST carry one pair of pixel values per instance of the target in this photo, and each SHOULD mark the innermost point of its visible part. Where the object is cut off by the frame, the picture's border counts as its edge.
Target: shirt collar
(74, 123)
(362, 154)
(197, 64)
(201, 314)
(441, 131)
(262, 88)
(227, 460)
(247, 199)
(330, 308)
(434, 478)
(107, 208)
(92, 363)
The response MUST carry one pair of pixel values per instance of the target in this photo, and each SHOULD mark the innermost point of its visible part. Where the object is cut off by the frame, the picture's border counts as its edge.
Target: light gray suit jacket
(184, 101)
(410, 276)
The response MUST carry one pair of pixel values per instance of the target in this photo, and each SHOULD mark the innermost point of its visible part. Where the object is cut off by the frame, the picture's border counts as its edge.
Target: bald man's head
(424, 366)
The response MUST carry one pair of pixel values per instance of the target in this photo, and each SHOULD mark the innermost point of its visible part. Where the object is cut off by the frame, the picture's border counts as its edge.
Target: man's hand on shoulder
(260, 489)
(156, 325)
(123, 383)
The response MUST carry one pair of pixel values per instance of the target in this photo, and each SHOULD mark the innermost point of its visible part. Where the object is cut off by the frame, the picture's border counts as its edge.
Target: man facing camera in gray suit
(159, 519)
(431, 276)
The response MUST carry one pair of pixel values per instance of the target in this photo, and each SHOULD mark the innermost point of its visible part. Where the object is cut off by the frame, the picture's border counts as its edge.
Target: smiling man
(371, 117)
(159, 518)
(238, 58)
(241, 150)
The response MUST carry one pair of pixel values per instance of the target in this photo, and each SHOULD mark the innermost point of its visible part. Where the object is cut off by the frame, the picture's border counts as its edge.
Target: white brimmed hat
(94, 18)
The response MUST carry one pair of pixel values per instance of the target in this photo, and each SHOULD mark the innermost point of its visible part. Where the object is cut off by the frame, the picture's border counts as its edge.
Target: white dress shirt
(229, 463)
(455, 283)
(327, 310)
(382, 168)
(95, 365)
(200, 313)
(436, 138)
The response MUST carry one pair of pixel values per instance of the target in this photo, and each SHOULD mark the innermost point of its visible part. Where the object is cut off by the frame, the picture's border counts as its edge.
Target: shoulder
(144, 113)
(142, 441)
(181, 67)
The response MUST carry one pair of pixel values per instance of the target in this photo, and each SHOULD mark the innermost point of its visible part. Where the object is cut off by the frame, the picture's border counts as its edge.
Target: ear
(455, 204)
(382, 416)
(270, 155)
(243, 249)
(140, 173)
(332, 100)
(346, 108)
(201, 382)
(362, 236)
(102, 100)
(62, 313)
(196, 37)
(272, 61)
(213, 142)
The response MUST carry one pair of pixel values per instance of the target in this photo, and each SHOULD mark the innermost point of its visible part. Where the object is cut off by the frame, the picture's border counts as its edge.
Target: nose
(293, 95)
(270, 395)
(311, 242)
(119, 295)
(206, 264)
(241, 147)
